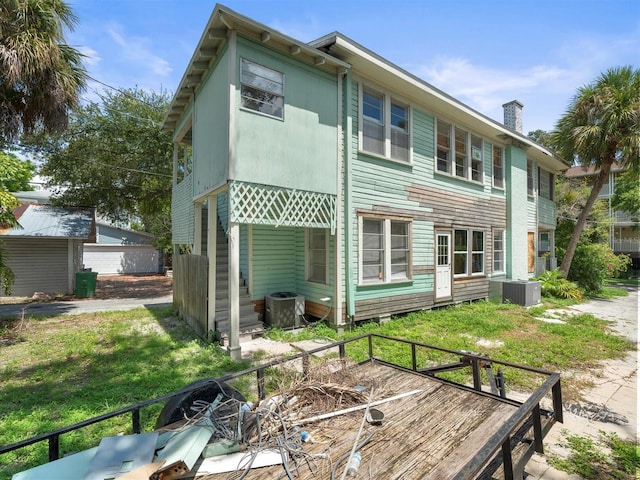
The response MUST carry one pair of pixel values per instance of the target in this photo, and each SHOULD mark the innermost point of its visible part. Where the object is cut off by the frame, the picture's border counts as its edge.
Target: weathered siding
(211, 129)
(39, 265)
(300, 151)
(546, 212)
(183, 212)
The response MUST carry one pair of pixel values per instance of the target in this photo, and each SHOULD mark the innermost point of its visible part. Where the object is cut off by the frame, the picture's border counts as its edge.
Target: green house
(321, 182)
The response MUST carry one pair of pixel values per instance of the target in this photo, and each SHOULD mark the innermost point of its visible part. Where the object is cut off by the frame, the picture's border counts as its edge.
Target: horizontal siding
(122, 259)
(546, 212)
(182, 212)
(274, 260)
(39, 265)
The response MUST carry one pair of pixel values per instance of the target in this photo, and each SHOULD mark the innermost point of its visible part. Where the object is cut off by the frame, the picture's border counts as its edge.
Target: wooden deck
(428, 435)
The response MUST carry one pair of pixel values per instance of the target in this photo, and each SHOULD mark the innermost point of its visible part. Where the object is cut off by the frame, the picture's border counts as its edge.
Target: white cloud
(137, 51)
(484, 87)
(91, 57)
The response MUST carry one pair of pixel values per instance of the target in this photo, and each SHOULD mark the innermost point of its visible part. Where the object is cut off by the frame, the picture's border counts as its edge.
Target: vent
(283, 310)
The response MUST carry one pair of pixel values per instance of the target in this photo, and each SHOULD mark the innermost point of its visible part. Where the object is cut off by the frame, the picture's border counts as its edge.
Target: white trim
(388, 98)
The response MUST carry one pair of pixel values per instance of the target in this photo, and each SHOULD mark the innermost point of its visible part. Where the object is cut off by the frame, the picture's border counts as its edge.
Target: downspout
(348, 200)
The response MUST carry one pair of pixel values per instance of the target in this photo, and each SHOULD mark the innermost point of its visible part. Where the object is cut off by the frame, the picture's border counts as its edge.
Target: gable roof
(47, 221)
(337, 53)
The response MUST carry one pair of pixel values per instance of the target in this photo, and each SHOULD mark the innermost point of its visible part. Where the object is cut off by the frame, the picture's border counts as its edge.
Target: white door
(443, 265)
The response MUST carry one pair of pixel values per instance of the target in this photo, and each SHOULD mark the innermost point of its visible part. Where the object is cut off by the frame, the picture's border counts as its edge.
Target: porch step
(250, 328)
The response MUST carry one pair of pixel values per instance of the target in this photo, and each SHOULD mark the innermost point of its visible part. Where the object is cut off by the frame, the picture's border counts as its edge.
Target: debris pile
(212, 430)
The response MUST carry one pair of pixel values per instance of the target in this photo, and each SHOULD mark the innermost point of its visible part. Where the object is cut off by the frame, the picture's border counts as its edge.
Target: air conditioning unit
(283, 310)
(521, 292)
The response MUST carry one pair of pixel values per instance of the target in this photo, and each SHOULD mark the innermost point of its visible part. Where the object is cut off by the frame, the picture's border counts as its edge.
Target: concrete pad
(309, 345)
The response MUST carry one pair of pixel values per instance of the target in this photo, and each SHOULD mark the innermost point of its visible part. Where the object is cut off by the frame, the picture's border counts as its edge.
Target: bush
(553, 284)
(592, 264)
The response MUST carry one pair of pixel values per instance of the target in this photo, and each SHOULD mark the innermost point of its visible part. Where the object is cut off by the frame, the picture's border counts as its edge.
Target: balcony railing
(626, 245)
(624, 217)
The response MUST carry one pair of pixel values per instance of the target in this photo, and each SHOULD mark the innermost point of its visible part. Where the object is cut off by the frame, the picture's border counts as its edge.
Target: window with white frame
(468, 252)
(262, 89)
(317, 263)
(529, 178)
(385, 254)
(498, 166)
(458, 152)
(498, 251)
(385, 125)
(443, 146)
(545, 184)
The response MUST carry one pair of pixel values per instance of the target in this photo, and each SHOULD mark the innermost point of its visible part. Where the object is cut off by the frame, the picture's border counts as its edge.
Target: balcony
(626, 245)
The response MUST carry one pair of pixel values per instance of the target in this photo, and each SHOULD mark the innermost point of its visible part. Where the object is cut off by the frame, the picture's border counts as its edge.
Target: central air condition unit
(521, 292)
(283, 310)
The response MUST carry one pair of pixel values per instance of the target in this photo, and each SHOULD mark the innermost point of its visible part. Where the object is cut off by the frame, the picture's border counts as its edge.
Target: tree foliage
(601, 127)
(626, 196)
(114, 157)
(41, 77)
(15, 174)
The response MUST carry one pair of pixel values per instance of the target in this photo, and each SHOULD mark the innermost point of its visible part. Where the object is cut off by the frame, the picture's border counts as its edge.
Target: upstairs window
(443, 148)
(385, 126)
(546, 182)
(530, 178)
(373, 122)
(262, 89)
(498, 166)
(385, 250)
(458, 152)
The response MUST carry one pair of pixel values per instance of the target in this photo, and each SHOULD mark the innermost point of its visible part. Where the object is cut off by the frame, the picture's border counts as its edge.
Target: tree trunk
(582, 219)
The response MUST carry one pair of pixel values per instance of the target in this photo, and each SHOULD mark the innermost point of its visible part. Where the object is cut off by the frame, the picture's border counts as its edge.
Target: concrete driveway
(81, 306)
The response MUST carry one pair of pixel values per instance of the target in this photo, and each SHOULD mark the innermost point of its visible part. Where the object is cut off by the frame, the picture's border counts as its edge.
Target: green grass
(60, 370)
(606, 458)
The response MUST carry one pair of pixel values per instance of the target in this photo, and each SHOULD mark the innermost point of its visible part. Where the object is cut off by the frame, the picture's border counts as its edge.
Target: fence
(190, 290)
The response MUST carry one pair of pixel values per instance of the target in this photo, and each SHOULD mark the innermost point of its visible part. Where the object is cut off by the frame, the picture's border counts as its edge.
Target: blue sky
(483, 52)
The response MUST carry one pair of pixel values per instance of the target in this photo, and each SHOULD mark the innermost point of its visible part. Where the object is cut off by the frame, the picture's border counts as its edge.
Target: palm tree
(601, 127)
(41, 77)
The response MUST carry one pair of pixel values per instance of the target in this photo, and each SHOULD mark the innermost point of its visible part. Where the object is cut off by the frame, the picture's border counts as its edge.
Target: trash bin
(85, 284)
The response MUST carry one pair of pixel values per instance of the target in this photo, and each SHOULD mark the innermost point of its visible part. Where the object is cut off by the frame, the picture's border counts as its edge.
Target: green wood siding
(183, 213)
(274, 260)
(301, 150)
(546, 212)
(211, 129)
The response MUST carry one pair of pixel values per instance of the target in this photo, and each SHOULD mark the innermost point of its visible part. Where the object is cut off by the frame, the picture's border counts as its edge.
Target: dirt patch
(133, 286)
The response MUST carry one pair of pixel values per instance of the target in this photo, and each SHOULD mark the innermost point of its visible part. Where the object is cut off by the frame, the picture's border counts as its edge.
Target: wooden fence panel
(190, 290)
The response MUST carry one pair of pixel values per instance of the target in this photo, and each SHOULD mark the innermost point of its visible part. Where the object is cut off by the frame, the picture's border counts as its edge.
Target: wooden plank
(432, 434)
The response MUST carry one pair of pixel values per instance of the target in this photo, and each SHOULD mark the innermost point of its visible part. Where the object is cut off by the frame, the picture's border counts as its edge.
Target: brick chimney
(513, 115)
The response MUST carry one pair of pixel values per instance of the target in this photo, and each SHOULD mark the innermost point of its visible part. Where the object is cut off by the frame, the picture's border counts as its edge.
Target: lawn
(60, 370)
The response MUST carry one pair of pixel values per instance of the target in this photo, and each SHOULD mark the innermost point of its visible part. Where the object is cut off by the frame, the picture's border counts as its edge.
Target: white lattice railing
(266, 205)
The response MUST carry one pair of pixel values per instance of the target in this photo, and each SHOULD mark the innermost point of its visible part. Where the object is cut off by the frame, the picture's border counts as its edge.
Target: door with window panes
(443, 265)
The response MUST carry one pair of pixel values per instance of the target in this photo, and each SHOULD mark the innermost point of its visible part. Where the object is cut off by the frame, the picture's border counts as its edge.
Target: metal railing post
(135, 421)
(54, 447)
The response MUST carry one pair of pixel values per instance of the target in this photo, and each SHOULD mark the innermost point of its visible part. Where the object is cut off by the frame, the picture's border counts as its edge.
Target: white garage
(122, 259)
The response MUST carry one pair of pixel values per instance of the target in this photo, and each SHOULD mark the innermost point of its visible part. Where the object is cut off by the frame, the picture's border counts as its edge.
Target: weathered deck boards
(429, 435)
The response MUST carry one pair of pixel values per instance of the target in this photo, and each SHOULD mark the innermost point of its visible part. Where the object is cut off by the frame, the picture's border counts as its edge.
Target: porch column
(212, 250)
(234, 291)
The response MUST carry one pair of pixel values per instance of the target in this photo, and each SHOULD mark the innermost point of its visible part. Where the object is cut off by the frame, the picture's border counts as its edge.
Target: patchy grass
(505, 332)
(606, 458)
(62, 370)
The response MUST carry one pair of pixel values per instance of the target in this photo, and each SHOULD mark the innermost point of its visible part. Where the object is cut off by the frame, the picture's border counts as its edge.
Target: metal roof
(53, 222)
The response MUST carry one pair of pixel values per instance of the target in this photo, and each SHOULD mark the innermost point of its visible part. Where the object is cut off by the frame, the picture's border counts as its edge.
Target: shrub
(592, 264)
(553, 284)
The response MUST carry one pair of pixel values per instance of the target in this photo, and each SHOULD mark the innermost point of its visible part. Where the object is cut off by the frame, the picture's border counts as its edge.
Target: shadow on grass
(120, 359)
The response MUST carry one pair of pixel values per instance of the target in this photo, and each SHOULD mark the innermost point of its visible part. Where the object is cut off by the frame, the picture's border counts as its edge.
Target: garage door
(122, 259)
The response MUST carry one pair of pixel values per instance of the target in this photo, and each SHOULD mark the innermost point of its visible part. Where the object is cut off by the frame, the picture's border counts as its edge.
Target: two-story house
(624, 236)
(335, 176)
